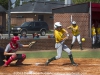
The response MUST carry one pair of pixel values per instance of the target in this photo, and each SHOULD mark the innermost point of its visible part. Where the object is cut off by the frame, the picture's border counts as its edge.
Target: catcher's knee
(13, 57)
(23, 56)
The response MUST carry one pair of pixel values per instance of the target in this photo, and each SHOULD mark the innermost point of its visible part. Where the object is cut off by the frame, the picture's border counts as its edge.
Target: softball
(83, 39)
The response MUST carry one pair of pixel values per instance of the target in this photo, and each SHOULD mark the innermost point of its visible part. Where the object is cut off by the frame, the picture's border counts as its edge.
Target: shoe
(47, 63)
(74, 64)
(5, 65)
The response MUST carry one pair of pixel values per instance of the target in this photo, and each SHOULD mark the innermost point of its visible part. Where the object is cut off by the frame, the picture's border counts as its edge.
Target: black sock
(71, 46)
(51, 59)
(81, 46)
(71, 58)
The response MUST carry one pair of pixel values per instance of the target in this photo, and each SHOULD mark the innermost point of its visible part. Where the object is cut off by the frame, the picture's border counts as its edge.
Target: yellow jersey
(98, 30)
(75, 30)
(93, 31)
(59, 35)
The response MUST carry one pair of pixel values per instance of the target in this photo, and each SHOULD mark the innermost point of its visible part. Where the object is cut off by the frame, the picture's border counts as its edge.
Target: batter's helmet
(57, 24)
(15, 39)
(74, 22)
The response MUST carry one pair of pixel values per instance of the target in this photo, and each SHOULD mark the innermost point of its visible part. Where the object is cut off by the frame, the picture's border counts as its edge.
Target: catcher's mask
(15, 40)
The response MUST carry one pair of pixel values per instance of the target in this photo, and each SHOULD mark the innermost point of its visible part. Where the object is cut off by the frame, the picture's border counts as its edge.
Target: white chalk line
(37, 64)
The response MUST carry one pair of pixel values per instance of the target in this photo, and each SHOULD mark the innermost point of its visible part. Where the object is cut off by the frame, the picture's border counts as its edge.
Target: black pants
(2, 57)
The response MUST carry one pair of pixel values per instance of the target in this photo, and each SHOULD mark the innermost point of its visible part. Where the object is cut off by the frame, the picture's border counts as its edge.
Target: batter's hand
(31, 44)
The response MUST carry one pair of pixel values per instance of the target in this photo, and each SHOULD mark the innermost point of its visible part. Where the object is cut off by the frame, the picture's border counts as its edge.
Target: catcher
(60, 36)
(76, 34)
(10, 51)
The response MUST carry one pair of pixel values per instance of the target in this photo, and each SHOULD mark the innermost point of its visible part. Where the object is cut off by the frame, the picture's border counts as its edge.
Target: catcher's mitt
(31, 44)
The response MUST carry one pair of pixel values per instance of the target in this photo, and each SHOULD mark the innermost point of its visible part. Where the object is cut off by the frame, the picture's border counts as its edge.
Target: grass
(76, 54)
(50, 32)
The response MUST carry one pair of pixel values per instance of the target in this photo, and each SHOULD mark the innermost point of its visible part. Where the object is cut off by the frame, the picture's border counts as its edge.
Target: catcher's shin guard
(50, 61)
(72, 61)
(10, 59)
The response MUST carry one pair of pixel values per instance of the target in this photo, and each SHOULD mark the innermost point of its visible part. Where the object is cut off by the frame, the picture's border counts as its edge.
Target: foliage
(4, 3)
(24, 2)
(83, 1)
(17, 3)
(50, 32)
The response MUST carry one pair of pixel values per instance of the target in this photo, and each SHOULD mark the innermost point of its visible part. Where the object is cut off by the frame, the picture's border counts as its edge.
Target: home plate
(39, 64)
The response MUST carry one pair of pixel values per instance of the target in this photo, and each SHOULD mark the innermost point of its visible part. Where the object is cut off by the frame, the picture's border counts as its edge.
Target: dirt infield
(86, 66)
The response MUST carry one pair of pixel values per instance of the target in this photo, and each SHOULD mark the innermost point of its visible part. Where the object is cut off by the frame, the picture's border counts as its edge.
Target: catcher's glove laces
(31, 44)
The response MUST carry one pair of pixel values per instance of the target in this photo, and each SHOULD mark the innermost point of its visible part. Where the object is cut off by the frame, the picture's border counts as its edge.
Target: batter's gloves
(31, 44)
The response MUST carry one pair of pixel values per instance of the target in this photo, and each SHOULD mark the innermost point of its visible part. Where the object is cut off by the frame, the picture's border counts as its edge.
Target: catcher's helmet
(74, 22)
(15, 39)
(57, 24)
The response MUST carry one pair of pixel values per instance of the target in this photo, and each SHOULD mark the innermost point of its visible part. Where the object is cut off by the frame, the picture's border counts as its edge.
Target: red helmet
(15, 39)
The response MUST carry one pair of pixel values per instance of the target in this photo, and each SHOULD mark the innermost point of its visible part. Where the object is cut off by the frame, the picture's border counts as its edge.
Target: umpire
(2, 57)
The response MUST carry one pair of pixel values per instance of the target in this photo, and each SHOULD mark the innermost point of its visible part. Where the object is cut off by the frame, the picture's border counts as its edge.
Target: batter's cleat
(47, 63)
(5, 65)
(74, 64)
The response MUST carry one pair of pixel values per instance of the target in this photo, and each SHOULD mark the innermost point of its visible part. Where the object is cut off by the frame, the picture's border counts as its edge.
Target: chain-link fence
(44, 44)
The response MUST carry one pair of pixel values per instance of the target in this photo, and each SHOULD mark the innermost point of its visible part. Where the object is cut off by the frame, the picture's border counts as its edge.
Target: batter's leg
(59, 52)
(94, 42)
(72, 61)
(80, 44)
(66, 49)
(73, 40)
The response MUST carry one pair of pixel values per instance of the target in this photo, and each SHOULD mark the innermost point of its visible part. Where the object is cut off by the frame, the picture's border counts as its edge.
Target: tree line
(4, 3)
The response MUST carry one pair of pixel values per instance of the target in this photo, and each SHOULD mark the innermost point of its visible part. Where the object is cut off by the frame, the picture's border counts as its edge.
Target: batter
(60, 36)
(76, 34)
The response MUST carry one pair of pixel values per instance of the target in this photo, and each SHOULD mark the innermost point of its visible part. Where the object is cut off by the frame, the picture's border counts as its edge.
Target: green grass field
(76, 54)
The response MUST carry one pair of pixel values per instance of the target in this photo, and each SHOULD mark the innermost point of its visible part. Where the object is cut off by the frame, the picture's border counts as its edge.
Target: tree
(17, 3)
(83, 1)
(4, 3)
